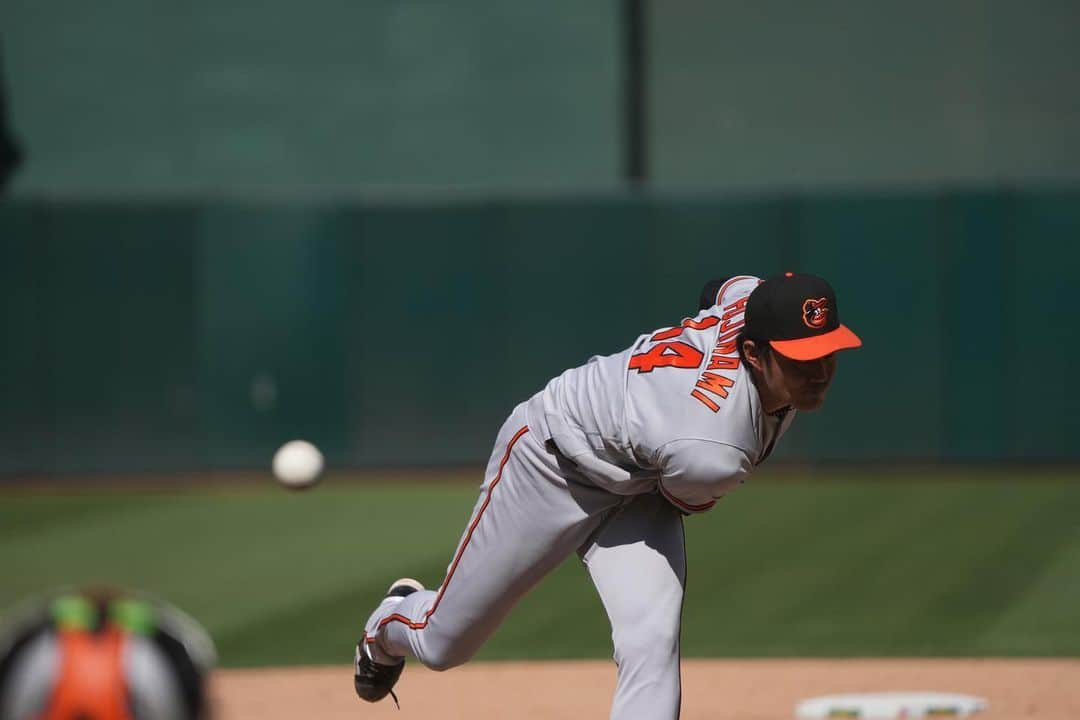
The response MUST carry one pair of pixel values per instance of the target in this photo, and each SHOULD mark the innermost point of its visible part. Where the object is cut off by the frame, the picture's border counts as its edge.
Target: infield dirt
(712, 689)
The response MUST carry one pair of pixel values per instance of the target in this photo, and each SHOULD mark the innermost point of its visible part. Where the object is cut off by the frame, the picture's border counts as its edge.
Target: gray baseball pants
(534, 510)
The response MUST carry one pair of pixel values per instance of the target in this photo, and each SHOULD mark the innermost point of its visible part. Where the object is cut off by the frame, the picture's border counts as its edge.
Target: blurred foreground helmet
(104, 655)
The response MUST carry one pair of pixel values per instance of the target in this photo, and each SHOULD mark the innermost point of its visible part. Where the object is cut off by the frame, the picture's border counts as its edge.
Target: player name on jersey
(724, 356)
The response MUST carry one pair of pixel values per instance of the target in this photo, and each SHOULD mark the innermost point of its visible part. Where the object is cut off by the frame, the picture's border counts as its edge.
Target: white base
(890, 706)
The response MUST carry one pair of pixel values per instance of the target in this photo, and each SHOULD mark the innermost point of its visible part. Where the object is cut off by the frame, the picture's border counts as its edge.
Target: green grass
(841, 564)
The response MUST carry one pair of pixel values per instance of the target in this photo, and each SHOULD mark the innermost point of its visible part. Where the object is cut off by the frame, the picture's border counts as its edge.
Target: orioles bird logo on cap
(815, 312)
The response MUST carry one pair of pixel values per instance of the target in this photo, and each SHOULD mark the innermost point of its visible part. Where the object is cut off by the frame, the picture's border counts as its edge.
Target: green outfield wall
(187, 336)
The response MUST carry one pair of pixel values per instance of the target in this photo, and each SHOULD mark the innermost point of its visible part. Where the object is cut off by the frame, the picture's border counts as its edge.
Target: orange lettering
(669, 354)
(739, 304)
(729, 326)
(704, 324)
(705, 400)
(732, 313)
(719, 362)
(716, 384)
(728, 348)
(666, 334)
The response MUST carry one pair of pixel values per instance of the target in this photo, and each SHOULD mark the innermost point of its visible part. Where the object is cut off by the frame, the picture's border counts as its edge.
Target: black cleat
(374, 681)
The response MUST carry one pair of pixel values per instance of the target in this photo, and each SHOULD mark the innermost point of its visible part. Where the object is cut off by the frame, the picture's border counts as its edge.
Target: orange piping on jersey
(705, 400)
(420, 625)
(91, 682)
(681, 504)
(720, 292)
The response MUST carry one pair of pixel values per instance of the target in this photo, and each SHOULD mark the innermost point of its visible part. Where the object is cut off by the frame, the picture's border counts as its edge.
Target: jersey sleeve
(694, 473)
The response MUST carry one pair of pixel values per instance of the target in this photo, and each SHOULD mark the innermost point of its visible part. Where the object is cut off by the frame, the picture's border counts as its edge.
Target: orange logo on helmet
(815, 313)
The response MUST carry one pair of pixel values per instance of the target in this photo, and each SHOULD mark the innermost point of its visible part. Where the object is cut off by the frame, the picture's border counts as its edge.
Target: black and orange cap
(797, 315)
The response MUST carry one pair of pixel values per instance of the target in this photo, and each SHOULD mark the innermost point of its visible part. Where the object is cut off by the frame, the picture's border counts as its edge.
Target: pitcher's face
(783, 382)
(803, 382)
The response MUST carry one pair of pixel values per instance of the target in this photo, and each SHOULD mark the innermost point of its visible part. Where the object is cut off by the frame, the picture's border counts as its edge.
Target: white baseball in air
(298, 464)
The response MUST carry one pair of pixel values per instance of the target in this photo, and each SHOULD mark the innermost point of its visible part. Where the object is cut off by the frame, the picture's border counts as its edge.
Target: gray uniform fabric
(604, 461)
(648, 429)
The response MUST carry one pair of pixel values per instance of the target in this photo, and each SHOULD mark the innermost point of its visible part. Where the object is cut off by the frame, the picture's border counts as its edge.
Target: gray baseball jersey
(674, 412)
(605, 460)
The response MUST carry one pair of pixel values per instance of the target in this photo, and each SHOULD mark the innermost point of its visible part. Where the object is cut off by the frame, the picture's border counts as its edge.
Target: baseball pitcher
(605, 461)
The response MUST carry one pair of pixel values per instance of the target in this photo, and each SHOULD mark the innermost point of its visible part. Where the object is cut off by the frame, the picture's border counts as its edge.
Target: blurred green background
(380, 225)
(834, 563)
(140, 97)
(180, 338)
